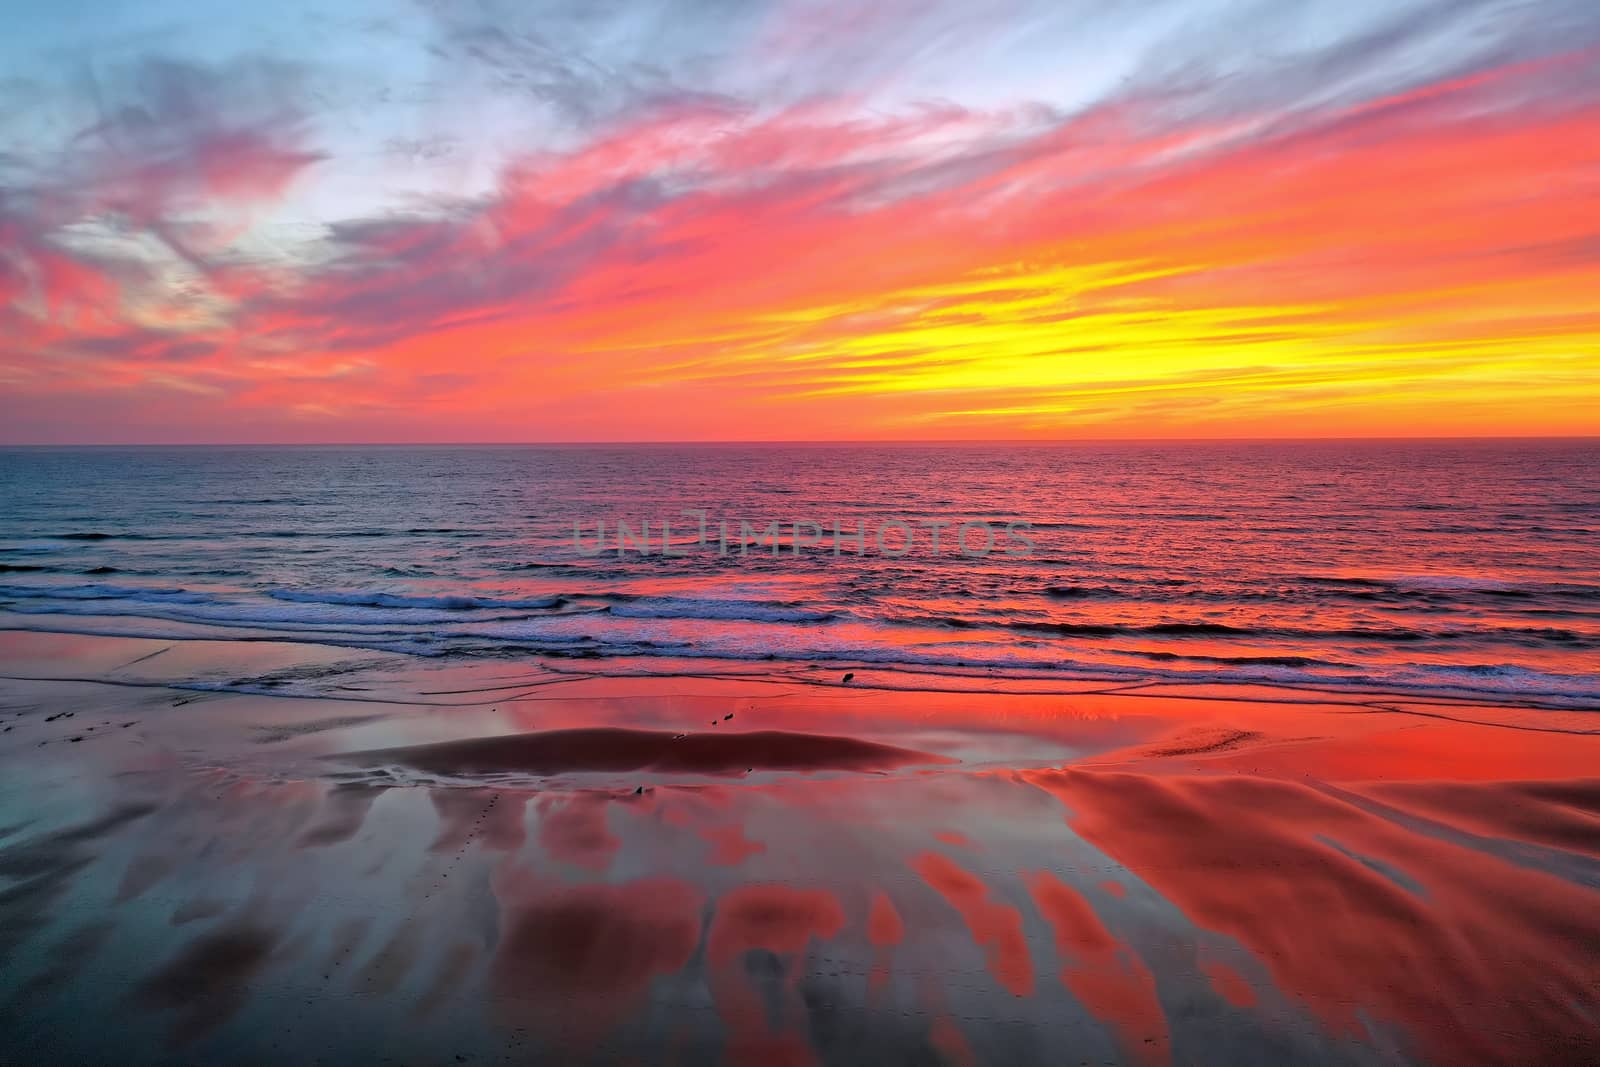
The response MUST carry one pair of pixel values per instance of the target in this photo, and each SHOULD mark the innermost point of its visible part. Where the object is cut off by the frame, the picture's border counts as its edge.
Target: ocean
(1437, 567)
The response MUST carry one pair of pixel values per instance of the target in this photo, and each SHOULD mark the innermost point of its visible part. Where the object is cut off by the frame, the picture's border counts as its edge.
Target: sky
(622, 220)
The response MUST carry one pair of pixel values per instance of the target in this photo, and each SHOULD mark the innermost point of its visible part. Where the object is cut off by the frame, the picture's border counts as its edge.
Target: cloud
(1214, 243)
(585, 63)
(187, 152)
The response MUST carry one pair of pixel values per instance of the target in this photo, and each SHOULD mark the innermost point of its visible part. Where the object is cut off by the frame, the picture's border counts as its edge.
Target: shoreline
(867, 673)
(396, 685)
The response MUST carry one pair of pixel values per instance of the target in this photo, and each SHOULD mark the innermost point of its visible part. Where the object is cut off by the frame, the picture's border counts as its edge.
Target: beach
(263, 851)
(771, 533)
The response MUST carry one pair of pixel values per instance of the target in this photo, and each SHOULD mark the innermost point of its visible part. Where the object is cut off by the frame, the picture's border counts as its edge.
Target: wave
(367, 608)
(1455, 585)
(533, 565)
(1217, 629)
(1536, 635)
(363, 609)
(385, 607)
(535, 637)
(96, 591)
(1244, 661)
(396, 600)
(1081, 592)
(708, 608)
(97, 535)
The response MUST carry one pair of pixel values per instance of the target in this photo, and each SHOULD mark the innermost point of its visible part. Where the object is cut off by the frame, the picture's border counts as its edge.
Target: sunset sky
(386, 220)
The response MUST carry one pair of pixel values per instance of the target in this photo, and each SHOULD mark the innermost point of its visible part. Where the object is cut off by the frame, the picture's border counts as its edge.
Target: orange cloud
(1415, 264)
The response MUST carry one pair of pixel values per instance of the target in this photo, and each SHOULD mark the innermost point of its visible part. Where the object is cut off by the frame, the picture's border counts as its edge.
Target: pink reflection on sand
(782, 921)
(580, 958)
(996, 927)
(573, 829)
(1354, 914)
(1112, 982)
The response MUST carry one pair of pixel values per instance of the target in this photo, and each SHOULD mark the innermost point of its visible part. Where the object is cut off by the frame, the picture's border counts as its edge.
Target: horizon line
(730, 442)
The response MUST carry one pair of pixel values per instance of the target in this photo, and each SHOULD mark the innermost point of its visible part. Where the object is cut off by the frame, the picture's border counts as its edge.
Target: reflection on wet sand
(207, 981)
(1365, 917)
(584, 956)
(1111, 980)
(865, 877)
(612, 749)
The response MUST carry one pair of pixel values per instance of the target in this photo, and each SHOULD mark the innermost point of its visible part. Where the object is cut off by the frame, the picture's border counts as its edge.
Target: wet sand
(258, 852)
